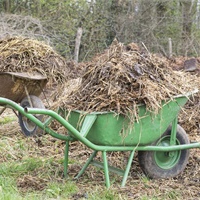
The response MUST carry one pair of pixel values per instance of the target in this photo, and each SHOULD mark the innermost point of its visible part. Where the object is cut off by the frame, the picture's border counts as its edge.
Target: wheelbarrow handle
(13, 105)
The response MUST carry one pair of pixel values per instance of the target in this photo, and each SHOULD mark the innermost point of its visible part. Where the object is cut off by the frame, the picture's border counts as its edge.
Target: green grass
(7, 119)
(104, 194)
(61, 190)
(56, 188)
(50, 171)
(12, 172)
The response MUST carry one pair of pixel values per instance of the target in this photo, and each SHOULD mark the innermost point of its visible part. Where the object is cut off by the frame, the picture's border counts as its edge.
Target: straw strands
(124, 76)
(19, 54)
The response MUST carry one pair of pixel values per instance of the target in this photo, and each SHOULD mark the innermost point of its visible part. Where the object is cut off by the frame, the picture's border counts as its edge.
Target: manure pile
(189, 118)
(19, 54)
(124, 76)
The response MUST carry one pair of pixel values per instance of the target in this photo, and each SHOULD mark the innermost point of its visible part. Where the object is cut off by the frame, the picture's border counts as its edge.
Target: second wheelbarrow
(23, 88)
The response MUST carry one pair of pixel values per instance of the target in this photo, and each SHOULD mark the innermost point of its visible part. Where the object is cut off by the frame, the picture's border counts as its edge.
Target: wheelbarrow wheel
(157, 164)
(28, 127)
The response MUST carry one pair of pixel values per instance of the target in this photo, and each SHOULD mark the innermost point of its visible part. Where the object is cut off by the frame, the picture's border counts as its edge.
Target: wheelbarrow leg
(2, 110)
(130, 160)
(86, 165)
(106, 171)
(66, 158)
(173, 131)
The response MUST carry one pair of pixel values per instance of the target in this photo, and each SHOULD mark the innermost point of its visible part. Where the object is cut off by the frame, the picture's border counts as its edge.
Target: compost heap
(18, 54)
(189, 118)
(124, 76)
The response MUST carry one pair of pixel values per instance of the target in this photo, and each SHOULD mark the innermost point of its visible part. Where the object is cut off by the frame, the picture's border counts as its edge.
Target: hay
(19, 54)
(189, 118)
(125, 76)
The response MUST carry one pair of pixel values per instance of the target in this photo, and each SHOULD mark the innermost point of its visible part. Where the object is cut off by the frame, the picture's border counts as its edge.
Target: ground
(32, 168)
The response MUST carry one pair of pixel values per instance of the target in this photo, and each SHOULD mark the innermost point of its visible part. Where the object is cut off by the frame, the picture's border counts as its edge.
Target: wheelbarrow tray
(109, 129)
(16, 85)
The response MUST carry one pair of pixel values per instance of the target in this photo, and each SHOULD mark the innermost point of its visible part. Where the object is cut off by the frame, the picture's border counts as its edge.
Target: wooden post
(170, 47)
(77, 43)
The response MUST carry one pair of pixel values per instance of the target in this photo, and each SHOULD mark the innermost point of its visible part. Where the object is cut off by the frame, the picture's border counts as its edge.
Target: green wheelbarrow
(162, 145)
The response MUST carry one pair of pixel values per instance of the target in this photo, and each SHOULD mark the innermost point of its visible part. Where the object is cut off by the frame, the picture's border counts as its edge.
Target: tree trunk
(188, 11)
(187, 18)
(6, 5)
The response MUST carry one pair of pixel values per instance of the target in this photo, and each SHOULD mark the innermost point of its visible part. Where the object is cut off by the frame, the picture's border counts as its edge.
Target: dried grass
(125, 76)
(189, 118)
(19, 54)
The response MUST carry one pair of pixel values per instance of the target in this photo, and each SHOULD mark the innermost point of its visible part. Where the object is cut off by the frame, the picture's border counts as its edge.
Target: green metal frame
(81, 136)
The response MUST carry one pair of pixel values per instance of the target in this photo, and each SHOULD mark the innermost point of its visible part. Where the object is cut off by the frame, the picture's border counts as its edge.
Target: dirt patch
(28, 182)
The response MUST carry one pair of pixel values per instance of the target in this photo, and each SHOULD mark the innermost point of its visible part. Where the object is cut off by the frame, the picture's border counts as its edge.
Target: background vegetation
(151, 22)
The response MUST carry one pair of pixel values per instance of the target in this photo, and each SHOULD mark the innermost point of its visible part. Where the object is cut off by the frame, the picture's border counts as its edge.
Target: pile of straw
(19, 54)
(189, 118)
(124, 76)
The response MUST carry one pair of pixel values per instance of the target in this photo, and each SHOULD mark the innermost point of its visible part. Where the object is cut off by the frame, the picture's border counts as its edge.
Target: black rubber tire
(27, 126)
(148, 159)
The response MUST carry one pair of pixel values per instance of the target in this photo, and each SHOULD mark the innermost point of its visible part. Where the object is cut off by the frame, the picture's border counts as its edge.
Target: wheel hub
(166, 160)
